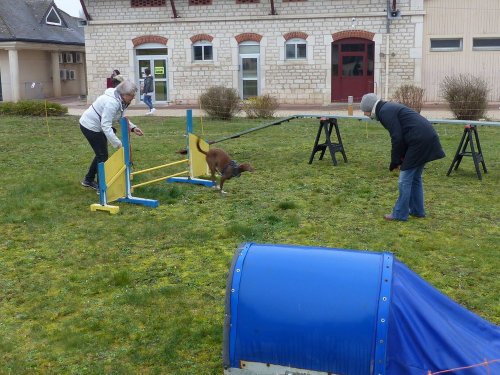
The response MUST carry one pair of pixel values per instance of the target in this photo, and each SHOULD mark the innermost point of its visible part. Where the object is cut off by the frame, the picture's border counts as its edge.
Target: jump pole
(129, 198)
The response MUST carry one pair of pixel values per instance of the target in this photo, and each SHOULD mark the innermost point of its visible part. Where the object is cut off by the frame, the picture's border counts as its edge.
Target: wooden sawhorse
(326, 125)
(477, 156)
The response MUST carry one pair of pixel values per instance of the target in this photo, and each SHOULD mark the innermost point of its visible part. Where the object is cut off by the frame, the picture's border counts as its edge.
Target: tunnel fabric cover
(430, 332)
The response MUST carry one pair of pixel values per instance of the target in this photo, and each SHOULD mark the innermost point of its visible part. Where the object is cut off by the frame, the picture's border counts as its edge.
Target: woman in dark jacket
(414, 143)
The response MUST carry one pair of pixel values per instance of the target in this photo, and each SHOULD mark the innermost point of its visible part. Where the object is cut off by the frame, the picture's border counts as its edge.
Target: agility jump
(115, 175)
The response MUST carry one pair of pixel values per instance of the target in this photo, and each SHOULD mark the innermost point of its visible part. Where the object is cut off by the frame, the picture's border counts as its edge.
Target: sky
(72, 7)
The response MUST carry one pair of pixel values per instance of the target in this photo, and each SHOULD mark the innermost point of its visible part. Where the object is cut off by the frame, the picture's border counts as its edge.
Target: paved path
(438, 111)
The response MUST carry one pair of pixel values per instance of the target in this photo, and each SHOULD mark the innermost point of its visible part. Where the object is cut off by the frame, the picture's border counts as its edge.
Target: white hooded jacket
(100, 115)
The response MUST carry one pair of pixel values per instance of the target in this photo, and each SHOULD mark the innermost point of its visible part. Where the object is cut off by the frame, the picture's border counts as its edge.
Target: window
(295, 49)
(147, 3)
(53, 18)
(68, 58)
(247, 1)
(200, 2)
(151, 51)
(486, 44)
(202, 51)
(452, 44)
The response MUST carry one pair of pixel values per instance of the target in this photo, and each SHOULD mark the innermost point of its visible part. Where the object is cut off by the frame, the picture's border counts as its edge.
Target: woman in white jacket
(96, 125)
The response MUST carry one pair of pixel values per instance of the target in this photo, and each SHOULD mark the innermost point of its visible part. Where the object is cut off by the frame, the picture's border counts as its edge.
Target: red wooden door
(352, 68)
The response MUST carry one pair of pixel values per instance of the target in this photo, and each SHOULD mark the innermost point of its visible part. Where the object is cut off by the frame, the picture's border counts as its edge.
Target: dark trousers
(99, 144)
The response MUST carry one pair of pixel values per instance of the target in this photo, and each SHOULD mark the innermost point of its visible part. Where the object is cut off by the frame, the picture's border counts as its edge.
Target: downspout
(386, 91)
(273, 9)
(174, 11)
(388, 32)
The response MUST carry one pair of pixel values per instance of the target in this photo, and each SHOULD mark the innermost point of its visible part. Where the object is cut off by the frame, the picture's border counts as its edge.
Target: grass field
(142, 292)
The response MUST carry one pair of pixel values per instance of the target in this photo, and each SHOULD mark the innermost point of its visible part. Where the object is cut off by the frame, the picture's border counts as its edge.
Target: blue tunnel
(295, 310)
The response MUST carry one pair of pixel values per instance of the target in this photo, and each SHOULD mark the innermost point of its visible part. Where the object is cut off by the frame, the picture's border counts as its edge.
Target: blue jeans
(411, 194)
(148, 101)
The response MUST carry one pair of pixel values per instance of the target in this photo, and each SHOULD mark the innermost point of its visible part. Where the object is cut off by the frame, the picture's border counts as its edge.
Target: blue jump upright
(320, 311)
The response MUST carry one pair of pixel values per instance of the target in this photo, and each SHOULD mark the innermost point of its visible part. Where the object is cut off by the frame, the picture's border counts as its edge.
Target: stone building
(299, 51)
(42, 51)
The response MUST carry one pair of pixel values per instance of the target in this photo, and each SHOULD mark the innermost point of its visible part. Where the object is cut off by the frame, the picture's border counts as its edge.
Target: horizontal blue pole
(142, 201)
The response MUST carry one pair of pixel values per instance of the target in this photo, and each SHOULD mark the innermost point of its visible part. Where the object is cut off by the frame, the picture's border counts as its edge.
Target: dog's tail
(199, 148)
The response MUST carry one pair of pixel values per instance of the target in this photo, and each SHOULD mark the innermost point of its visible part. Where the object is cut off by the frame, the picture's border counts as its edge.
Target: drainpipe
(390, 7)
(386, 91)
(174, 11)
(388, 22)
(273, 9)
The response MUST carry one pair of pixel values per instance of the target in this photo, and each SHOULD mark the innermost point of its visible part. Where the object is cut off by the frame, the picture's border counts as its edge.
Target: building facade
(461, 37)
(299, 51)
(42, 52)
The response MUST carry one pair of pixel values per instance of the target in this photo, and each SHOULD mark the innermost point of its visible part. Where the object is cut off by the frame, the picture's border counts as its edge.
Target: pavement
(76, 106)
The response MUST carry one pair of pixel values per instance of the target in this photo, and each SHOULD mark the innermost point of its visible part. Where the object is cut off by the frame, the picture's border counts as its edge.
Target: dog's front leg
(214, 181)
(222, 179)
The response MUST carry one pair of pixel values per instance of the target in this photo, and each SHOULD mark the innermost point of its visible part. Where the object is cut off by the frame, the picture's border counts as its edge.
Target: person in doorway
(147, 90)
(96, 125)
(414, 143)
(116, 78)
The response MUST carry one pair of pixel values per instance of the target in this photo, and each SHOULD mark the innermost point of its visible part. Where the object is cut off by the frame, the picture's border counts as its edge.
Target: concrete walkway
(77, 106)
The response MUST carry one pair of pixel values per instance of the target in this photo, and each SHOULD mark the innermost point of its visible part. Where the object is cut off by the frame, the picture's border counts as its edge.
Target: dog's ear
(182, 152)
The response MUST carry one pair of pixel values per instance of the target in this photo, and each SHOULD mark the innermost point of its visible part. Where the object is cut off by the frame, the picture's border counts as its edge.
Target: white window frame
(202, 44)
(446, 49)
(295, 42)
(486, 48)
(52, 10)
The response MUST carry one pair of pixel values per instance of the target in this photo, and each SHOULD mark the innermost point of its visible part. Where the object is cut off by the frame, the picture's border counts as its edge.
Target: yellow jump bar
(160, 179)
(159, 167)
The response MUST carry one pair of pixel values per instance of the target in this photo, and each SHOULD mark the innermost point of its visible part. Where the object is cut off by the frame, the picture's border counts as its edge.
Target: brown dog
(219, 161)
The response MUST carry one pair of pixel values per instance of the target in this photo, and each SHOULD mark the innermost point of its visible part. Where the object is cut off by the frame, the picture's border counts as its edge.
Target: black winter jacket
(414, 140)
(148, 85)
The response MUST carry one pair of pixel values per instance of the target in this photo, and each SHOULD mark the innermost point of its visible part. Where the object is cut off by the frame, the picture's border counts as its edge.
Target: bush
(260, 106)
(411, 96)
(220, 102)
(32, 108)
(466, 95)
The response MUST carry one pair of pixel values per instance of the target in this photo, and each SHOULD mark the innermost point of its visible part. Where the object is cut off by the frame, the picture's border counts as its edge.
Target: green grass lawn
(142, 292)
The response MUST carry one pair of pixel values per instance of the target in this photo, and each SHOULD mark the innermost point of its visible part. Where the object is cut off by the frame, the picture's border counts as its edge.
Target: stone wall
(115, 25)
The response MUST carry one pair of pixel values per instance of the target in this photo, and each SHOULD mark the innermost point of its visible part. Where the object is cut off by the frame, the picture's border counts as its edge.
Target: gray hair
(126, 88)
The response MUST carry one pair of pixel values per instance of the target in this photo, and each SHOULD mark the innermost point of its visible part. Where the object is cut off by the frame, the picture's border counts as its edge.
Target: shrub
(260, 106)
(220, 102)
(411, 96)
(32, 108)
(466, 95)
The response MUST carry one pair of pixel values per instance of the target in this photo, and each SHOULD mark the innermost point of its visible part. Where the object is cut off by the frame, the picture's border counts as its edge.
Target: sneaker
(389, 217)
(153, 110)
(90, 184)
